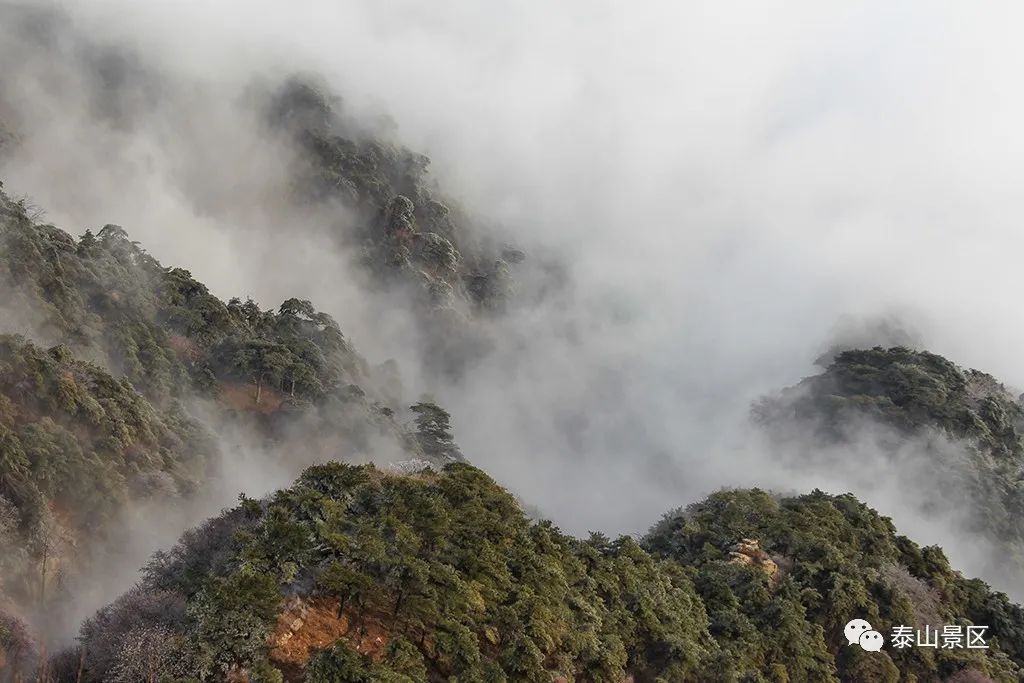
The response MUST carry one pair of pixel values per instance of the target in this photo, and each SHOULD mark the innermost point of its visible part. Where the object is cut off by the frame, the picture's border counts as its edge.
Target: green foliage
(340, 663)
(74, 439)
(105, 296)
(452, 571)
(449, 579)
(95, 295)
(835, 559)
(231, 616)
(401, 663)
(284, 373)
(908, 390)
(434, 432)
(14, 465)
(265, 672)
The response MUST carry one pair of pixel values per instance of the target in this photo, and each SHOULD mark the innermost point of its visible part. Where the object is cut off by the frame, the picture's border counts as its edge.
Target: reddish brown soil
(307, 627)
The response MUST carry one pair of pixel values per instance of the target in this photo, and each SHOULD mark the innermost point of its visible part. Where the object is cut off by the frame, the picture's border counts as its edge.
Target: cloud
(722, 181)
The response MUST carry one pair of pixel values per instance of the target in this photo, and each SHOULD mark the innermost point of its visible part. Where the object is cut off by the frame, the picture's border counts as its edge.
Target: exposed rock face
(748, 551)
(306, 627)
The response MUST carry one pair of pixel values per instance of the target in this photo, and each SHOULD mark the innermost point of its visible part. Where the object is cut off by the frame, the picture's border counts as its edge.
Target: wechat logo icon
(859, 632)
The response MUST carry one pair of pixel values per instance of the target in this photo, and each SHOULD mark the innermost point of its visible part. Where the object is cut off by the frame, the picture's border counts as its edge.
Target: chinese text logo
(860, 632)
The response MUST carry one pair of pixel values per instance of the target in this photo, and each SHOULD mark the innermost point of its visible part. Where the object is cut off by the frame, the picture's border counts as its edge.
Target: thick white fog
(726, 183)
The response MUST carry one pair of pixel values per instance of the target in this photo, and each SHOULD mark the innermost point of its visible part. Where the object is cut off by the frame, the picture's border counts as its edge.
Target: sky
(730, 185)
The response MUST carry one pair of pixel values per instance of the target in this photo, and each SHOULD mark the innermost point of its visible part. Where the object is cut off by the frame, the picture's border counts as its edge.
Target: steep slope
(409, 229)
(104, 295)
(366, 191)
(958, 431)
(75, 436)
(409, 234)
(280, 372)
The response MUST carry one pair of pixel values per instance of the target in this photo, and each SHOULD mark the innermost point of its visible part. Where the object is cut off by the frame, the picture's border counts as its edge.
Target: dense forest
(354, 574)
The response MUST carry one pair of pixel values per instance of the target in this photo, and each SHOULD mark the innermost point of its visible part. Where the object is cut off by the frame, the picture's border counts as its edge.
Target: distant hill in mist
(955, 435)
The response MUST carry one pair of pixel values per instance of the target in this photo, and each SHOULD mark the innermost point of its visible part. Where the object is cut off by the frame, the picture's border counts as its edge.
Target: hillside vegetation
(958, 430)
(354, 574)
(76, 447)
(104, 298)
